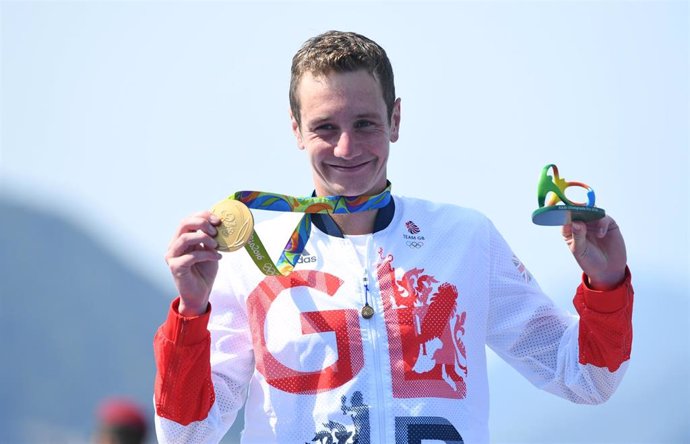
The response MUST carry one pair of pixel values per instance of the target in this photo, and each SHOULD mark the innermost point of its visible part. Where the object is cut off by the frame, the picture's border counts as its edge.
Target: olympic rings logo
(269, 269)
(414, 244)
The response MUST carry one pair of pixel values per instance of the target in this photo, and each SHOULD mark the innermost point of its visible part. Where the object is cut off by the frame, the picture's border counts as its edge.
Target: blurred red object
(121, 420)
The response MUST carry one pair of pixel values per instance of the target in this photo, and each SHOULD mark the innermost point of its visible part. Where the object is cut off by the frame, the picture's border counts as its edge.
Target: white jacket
(443, 284)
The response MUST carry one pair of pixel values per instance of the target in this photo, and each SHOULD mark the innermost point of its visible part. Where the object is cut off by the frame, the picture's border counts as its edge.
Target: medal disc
(236, 226)
(367, 311)
(564, 214)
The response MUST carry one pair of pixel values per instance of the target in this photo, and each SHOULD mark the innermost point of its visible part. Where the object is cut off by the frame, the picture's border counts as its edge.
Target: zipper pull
(367, 310)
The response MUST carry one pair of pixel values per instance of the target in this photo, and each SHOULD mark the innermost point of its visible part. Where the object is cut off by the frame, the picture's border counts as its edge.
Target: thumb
(577, 239)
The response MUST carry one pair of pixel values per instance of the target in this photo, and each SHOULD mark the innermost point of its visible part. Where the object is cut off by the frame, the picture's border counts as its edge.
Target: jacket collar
(325, 222)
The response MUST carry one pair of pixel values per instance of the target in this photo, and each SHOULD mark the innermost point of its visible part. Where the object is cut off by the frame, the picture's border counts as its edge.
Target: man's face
(345, 131)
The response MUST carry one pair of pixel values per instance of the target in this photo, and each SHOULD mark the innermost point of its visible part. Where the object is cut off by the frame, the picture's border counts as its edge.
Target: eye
(325, 127)
(363, 123)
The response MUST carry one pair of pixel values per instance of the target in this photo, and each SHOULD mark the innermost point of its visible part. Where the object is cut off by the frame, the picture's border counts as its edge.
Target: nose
(345, 148)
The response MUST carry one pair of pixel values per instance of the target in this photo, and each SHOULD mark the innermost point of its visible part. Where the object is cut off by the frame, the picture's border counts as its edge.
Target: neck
(356, 223)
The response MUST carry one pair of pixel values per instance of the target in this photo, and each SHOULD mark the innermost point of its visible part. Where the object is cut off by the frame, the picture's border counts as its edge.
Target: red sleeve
(182, 347)
(605, 337)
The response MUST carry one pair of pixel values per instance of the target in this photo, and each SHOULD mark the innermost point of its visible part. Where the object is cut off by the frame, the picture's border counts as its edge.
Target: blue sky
(127, 116)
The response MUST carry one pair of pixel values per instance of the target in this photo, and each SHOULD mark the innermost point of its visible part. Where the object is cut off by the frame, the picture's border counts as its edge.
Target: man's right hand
(193, 261)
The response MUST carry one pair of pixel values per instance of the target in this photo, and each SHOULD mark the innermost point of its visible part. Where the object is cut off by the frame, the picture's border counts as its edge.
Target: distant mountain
(76, 325)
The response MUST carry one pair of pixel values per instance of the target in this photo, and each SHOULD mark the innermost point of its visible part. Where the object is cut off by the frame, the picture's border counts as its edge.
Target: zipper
(372, 322)
(374, 340)
(367, 310)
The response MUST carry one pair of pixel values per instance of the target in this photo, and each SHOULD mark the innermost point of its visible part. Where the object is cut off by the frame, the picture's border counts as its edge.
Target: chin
(359, 186)
(353, 191)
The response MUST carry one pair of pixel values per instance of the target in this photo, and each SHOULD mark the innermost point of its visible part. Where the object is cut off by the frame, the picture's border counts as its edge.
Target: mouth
(350, 167)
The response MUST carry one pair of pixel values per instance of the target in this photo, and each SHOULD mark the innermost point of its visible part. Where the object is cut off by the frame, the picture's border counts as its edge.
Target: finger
(204, 221)
(578, 238)
(602, 227)
(186, 242)
(211, 217)
(180, 265)
(197, 240)
(599, 227)
(575, 230)
(567, 232)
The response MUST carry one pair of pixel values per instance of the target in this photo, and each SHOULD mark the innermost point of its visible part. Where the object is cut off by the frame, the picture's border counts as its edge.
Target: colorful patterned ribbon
(295, 245)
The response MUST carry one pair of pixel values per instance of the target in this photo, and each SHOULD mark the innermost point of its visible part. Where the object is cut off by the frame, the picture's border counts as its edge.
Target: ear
(395, 121)
(296, 131)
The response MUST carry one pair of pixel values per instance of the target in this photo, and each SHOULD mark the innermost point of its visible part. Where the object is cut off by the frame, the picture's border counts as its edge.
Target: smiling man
(345, 127)
(381, 336)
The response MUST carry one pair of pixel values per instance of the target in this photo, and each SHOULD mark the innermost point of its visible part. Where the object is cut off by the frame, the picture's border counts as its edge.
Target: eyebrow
(323, 119)
(317, 121)
(372, 116)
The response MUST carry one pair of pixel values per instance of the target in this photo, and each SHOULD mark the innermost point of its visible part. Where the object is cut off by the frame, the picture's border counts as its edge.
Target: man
(380, 336)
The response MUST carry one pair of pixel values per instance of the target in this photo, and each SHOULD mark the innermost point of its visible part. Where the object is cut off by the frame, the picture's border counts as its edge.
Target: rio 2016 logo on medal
(236, 227)
(549, 213)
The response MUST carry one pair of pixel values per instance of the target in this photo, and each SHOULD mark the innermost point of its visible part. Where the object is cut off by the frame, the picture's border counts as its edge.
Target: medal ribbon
(295, 246)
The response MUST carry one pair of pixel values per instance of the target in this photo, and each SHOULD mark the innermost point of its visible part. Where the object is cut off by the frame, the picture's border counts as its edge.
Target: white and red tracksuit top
(443, 284)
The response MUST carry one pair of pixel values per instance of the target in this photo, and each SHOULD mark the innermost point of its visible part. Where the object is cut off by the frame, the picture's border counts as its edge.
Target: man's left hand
(599, 249)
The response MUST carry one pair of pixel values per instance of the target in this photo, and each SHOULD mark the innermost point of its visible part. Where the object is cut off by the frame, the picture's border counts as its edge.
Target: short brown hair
(337, 51)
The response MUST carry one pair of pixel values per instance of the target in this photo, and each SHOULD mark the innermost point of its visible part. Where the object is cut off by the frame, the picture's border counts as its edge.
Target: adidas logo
(307, 258)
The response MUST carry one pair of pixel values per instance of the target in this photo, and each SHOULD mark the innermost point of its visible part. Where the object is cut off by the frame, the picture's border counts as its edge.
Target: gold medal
(236, 224)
